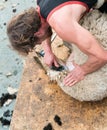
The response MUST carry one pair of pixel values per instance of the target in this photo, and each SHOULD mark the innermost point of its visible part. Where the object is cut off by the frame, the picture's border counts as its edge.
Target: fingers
(70, 80)
(73, 77)
(50, 60)
(56, 63)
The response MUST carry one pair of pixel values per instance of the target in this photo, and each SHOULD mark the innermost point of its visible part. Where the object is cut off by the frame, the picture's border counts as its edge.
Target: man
(34, 27)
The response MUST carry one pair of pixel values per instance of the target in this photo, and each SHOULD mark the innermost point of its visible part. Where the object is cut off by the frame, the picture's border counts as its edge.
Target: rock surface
(39, 101)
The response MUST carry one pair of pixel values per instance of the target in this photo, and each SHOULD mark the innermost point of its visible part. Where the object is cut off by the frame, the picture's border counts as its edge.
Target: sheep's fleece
(94, 86)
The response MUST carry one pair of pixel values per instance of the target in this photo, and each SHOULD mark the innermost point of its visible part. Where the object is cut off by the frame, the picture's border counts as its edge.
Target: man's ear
(38, 33)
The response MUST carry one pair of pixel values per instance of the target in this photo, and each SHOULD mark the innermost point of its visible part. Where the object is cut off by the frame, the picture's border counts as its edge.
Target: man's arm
(69, 30)
(49, 57)
(92, 64)
(87, 43)
(78, 73)
(97, 56)
(46, 44)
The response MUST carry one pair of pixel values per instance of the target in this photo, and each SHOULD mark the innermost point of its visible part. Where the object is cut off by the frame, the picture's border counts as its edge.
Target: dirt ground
(39, 101)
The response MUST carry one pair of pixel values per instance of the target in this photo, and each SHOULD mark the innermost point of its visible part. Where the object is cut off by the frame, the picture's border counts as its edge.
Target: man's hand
(76, 75)
(50, 59)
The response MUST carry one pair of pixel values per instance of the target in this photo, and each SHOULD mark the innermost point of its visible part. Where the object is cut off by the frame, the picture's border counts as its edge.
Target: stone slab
(39, 100)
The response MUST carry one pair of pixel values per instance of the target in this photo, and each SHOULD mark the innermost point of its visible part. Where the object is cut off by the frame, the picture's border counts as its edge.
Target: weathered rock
(39, 101)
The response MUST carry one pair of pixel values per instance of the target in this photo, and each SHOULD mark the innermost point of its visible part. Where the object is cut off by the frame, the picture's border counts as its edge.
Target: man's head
(21, 30)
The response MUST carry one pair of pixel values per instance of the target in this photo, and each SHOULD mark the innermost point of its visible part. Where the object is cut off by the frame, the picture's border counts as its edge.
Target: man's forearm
(92, 64)
(46, 44)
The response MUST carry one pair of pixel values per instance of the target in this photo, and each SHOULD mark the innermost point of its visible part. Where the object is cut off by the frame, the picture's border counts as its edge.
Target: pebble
(12, 90)
(48, 127)
(57, 119)
(8, 74)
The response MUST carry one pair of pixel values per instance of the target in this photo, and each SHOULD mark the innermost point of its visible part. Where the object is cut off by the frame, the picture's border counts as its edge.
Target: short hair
(21, 29)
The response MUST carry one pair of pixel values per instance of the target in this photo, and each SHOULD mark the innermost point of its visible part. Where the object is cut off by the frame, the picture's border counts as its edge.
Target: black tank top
(46, 6)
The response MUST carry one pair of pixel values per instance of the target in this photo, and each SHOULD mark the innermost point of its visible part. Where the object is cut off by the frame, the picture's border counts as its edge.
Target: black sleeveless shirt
(46, 6)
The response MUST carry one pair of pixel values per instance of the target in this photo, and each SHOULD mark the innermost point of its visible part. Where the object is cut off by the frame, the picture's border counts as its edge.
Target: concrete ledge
(39, 101)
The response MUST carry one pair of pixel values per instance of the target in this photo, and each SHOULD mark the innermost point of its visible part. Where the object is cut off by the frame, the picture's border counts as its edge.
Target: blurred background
(11, 64)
